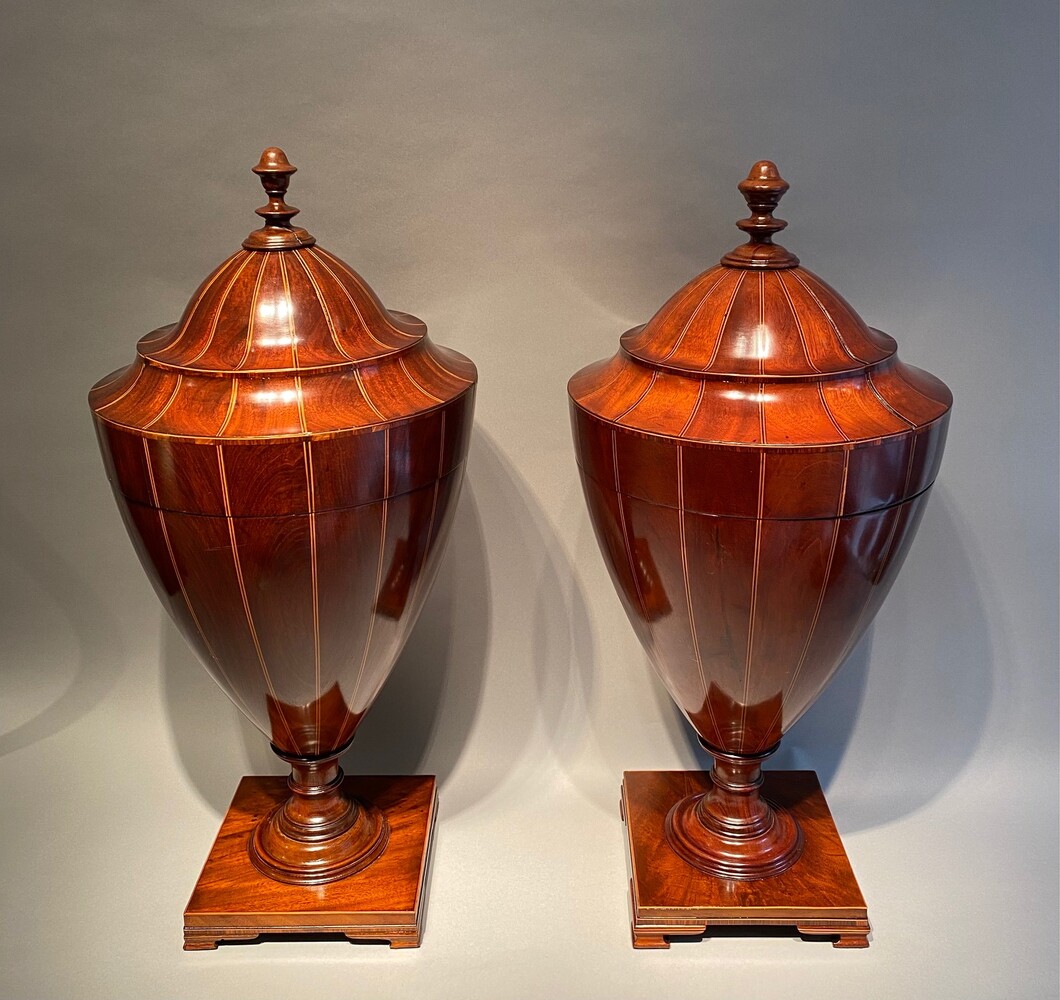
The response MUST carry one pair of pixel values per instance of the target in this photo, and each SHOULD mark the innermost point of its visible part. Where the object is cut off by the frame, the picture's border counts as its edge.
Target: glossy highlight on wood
(818, 898)
(234, 901)
(287, 458)
(756, 461)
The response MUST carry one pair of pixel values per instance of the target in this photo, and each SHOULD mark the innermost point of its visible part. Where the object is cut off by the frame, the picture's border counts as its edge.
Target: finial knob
(274, 170)
(762, 189)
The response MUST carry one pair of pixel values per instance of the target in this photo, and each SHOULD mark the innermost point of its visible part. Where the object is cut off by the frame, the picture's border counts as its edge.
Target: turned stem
(318, 834)
(317, 808)
(734, 806)
(729, 830)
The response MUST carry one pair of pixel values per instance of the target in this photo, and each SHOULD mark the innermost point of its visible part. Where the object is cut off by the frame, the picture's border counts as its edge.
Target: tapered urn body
(755, 460)
(287, 458)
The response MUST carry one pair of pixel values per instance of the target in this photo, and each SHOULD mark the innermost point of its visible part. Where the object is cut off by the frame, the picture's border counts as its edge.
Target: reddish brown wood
(233, 901)
(756, 461)
(287, 458)
(819, 896)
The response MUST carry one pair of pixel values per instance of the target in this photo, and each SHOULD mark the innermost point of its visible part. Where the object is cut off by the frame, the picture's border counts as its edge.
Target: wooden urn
(287, 459)
(756, 461)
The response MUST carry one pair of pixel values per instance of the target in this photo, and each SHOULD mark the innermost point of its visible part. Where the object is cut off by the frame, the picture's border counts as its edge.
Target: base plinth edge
(385, 901)
(817, 896)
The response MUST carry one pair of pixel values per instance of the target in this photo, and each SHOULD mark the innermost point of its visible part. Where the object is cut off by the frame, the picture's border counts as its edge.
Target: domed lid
(283, 339)
(758, 313)
(282, 303)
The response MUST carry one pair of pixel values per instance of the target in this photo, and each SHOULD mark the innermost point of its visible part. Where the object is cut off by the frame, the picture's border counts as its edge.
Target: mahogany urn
(286, 459)
(756, 461)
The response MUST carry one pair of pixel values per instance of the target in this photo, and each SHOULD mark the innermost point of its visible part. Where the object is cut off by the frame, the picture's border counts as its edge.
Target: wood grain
(818, 896)
(233, 901)
(287, 459)
(756, 461)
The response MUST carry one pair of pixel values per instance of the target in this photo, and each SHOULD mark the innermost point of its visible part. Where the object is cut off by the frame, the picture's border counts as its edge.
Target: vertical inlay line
(232, 691)
(169, 402)
(421, 580)
(323, 307)
(798, 321)
(220, 308)
(252, 319)
(359, 282)
(695, 312)
(760, 332)
(695, 407)
(629, 409)
(888, 406)
(246, 601)
(836, 523)
(307, 449)
(429, 354)
(125, 392)
(185, 326)
(378, 580)
(231, 408)
(688, 593)
(409, 376)
(364, 392)
(357, 309)
(828, 412)
(756, 566)
(724, 322)
(289, 311)
(828, 316)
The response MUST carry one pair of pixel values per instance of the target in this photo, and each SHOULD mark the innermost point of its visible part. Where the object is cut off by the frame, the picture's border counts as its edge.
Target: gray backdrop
(532, 179)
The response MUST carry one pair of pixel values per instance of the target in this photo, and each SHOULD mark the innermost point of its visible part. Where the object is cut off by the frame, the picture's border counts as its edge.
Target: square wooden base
(387, 901)
(818, 895)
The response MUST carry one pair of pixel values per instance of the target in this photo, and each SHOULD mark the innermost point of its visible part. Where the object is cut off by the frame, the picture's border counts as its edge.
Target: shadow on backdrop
(901, 721)
(47, 688)
(419, 720)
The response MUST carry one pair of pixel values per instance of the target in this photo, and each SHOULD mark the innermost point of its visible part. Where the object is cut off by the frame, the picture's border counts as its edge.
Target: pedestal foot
(672, 898)
(646, 939)
(386, 901)
(730, 830)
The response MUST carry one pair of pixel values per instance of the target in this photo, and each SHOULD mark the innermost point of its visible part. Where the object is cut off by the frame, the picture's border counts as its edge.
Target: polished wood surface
(818, 896)
(756, 461)
(233, 901)
(287, 459)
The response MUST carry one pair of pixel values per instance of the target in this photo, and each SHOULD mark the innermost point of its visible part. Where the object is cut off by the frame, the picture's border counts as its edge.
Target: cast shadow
(421, 718)
(42, 592)
(418, 722)
(905, 713)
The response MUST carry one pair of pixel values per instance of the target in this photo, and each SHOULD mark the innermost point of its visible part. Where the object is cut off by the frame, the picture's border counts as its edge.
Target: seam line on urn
(752, 517)
(300, 513)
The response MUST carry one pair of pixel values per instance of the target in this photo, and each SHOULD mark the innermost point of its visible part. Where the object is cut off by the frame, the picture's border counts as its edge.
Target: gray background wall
(532, 179)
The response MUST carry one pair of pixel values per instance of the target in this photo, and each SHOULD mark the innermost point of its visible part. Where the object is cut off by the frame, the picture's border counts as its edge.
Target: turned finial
(762, 189)
(274, 171)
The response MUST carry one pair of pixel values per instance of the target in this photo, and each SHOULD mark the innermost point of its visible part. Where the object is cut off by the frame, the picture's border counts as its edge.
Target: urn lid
(757, 351)
(758, 312)
(282, 338)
